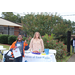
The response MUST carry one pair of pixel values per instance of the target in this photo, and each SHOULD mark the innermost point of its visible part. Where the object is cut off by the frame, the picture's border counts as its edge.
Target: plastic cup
(46, 51)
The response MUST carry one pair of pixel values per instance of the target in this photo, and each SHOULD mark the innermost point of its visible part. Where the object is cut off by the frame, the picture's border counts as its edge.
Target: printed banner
(39, 58)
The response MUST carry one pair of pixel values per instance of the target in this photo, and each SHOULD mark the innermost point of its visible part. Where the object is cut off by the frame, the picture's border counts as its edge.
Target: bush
(28, 39)
(4, 39)
(54, 44)
(24, 38)
(11, 39)
(64, 39)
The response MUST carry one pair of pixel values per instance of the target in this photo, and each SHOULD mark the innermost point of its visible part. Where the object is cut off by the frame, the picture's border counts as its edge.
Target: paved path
(72, 59)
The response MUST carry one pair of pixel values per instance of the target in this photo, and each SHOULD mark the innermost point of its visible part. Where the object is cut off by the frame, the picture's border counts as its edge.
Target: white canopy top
(8, 23)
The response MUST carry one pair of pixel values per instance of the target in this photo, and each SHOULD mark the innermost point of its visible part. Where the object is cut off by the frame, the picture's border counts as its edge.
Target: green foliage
(24, 38)
(4, 39)
(54, 44)
(28, 39)
(11, 17)
(47, 23)
(49, 37)
(40, 22)
(11, 39)
(43, 22)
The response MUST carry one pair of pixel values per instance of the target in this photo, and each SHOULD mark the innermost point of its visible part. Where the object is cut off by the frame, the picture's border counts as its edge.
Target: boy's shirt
(19, 45)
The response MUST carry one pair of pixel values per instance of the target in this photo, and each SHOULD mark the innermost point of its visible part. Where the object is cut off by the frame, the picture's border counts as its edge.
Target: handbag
(8, 58)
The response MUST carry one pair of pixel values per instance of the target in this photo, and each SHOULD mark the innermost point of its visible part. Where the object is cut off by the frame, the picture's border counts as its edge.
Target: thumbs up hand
(25, 42)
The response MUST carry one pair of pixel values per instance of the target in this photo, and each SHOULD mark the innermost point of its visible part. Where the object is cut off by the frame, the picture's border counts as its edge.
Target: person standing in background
(73, 44)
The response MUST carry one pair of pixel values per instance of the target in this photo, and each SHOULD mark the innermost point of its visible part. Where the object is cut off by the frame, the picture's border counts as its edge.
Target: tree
(40, 22)
(47, 23)
(7, 15)
(11, 17)
(44, 23)
(73, 27)
(60, 30)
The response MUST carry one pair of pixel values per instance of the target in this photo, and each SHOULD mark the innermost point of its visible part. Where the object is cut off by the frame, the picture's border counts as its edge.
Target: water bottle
(39, 50)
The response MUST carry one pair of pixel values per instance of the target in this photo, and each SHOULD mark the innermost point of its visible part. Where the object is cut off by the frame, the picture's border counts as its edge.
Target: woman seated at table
(36, 43)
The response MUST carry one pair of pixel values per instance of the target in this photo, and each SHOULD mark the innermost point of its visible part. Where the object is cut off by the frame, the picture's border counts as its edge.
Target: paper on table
(16, 53)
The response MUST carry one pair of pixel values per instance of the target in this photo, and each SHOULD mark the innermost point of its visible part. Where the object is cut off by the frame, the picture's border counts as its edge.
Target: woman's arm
(31, 44)
(42, 45)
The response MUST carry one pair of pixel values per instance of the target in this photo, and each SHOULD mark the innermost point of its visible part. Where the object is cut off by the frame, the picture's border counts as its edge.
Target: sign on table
(39, 58)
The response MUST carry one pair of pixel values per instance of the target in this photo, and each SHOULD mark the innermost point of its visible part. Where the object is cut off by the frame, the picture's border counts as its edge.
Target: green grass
(67, 57)
(4, 46)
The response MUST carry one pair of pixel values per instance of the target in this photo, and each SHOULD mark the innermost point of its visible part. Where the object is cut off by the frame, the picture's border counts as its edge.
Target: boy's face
(20, 38)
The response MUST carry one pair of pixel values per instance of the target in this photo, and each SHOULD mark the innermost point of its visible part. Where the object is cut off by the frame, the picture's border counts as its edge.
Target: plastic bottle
(39, 50)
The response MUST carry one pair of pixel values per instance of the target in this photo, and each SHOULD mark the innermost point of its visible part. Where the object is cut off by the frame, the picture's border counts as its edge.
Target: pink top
(36, 44)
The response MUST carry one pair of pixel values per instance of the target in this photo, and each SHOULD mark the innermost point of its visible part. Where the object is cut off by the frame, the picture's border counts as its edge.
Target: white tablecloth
(29, 57)
(39, 58)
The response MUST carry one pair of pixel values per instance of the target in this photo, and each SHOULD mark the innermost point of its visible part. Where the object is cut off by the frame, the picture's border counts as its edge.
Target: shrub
(61, 50)
(4, 39)
(24, 38)
(11, 39)
(54, 44)
(48, 37)
(28, 39)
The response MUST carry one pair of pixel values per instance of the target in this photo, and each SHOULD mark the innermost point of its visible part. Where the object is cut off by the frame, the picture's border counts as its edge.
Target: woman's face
(37, 35)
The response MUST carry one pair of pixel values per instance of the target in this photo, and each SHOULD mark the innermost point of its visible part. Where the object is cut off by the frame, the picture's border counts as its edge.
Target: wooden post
(8, 30)
(68, 41)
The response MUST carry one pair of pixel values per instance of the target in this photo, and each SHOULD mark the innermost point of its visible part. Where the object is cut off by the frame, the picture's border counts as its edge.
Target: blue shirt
(19, 45)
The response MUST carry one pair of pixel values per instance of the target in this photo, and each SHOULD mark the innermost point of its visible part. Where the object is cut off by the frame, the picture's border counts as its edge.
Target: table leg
(0, 52)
